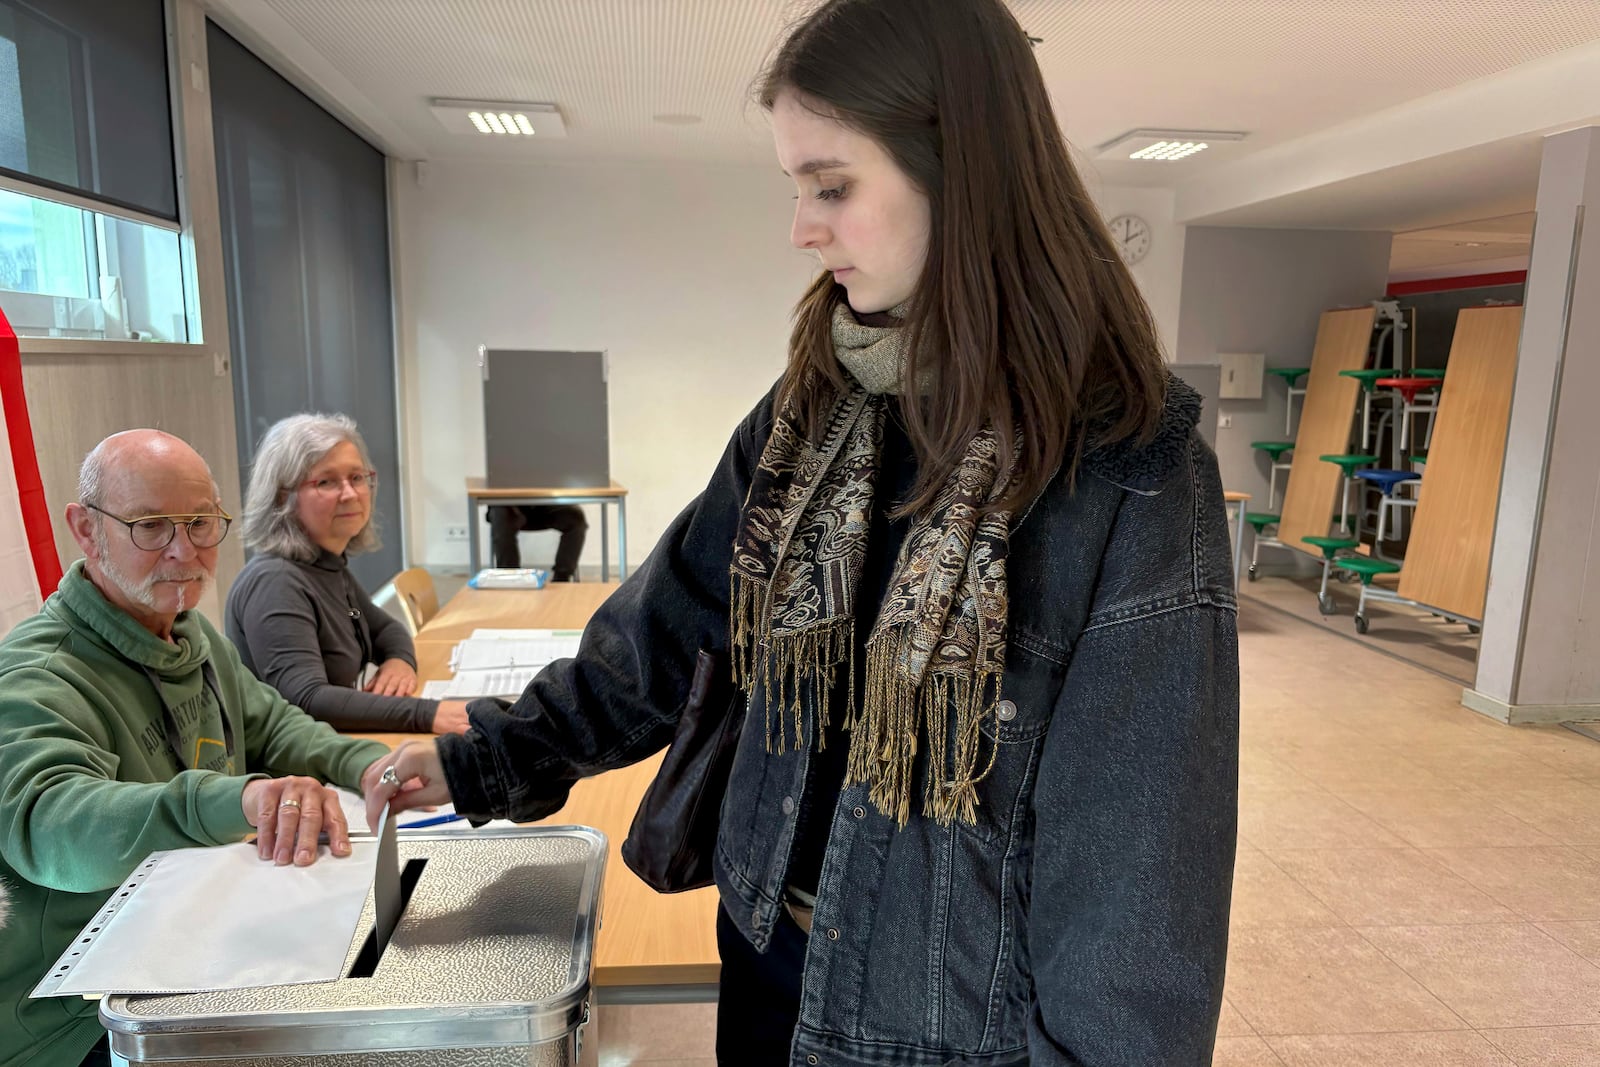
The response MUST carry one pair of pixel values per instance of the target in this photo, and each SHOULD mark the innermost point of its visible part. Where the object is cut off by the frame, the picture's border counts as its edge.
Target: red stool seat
(1408, 387)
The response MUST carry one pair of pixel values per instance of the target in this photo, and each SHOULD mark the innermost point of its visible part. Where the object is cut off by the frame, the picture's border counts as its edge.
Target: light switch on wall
(1224, 422)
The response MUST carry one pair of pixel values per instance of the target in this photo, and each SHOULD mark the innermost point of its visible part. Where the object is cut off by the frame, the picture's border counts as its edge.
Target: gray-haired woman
(301, 621)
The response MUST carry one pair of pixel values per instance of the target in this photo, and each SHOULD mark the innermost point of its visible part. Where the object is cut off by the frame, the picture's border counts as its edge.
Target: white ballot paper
(354, 806)
(193, 920)
(489, 634)
(477, 654)
(491, 683)
(466, 685)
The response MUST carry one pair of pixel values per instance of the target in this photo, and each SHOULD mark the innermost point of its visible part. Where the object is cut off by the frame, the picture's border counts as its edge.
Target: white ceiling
(1280, 70)
(1501, 177)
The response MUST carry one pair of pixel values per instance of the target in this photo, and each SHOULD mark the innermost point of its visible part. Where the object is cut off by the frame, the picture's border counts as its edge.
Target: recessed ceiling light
(1163, 146)
(675, 118)
(499, 119)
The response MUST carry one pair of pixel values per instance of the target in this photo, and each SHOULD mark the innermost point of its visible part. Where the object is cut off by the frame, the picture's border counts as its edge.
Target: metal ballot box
(489, 965)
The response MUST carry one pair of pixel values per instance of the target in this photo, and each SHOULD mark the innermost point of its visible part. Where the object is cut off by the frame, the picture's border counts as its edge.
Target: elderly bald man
(128, 725)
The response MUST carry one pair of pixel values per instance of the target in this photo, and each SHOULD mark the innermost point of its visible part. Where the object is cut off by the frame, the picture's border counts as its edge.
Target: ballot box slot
(367, 960)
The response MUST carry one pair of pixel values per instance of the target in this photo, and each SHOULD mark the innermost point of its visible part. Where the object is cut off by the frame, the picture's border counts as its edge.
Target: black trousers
(758, 1003)
(568, 520)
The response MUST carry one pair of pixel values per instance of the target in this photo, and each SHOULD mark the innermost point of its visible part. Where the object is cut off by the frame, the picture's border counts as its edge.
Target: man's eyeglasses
(155, 532)
(363, 482)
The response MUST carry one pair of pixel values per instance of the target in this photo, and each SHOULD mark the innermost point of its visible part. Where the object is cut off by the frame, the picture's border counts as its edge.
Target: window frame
(197, 342)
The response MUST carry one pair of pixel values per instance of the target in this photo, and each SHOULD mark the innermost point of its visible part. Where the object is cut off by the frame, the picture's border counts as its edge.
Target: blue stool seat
(1386, 480)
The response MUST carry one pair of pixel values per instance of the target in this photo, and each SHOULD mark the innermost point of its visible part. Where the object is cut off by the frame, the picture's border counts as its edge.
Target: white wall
(1160, 273)
(683, 273)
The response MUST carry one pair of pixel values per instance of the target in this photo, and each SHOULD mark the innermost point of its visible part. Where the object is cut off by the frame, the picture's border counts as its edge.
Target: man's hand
(395, 678)
(451, 718)
(417, 782)
(289, 814)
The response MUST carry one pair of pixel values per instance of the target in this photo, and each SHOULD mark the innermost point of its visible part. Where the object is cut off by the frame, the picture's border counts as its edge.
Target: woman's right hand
(451, 717)
(417, 781)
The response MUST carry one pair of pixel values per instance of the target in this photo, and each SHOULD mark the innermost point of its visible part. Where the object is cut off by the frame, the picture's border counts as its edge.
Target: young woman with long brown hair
(970, 564)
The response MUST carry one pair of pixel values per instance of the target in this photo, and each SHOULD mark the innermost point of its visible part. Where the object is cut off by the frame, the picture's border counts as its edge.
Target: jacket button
(833, 935)
(812, 1058)
(755, 919)
(788, 805)
(860, 812)
(1005, 711)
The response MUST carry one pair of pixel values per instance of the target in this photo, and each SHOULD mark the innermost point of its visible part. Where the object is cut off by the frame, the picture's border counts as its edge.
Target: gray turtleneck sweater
(309, 629)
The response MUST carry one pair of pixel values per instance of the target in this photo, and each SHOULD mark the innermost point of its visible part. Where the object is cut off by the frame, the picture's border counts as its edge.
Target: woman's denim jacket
(1084, 918)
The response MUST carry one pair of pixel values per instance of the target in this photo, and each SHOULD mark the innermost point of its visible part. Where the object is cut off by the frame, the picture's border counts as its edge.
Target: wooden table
(480, 495)
(651, 947)
(1235, 499)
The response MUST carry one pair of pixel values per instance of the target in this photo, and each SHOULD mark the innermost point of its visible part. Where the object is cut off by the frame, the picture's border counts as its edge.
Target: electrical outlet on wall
(455, 533)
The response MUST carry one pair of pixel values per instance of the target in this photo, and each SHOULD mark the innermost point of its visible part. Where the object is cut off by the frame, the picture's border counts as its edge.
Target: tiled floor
(1417, 886)
(1437, 644)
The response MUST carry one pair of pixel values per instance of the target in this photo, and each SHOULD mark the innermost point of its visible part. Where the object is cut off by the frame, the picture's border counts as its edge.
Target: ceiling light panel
(1163, 146)
(509, 121)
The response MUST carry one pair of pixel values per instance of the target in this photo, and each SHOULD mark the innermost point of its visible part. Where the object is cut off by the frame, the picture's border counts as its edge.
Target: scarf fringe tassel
(945, 713)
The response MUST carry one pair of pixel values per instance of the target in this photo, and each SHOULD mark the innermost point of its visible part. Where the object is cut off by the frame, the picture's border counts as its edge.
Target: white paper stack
(501, 663)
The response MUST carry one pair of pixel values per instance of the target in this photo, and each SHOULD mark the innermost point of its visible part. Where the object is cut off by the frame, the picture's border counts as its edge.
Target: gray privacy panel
(305, 241)
(1205, 379)
(545, 421)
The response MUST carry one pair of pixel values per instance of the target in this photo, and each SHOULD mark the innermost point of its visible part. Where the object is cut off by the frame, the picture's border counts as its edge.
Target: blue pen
(436, 820)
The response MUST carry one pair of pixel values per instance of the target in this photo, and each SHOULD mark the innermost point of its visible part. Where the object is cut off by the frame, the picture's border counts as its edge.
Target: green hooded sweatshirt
(90, 786)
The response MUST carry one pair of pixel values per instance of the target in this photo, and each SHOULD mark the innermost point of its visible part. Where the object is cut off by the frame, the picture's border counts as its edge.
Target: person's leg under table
(569, 521)
(504, 525)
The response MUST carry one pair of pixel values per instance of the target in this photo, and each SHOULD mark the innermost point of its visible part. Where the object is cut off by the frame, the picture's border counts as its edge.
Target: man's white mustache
(177, 576)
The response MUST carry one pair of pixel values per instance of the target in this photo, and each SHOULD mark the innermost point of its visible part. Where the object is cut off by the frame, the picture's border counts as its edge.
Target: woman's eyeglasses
(363, 482)
(155, 532)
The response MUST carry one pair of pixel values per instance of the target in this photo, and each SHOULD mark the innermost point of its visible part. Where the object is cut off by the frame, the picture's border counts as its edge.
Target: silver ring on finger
(389, 777)
(290, 803)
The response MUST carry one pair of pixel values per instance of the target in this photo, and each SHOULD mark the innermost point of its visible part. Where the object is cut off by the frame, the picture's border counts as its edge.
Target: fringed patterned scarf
(936, 656)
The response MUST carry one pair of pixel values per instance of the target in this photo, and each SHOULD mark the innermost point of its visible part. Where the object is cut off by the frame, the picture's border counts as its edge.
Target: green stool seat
(1274, 451)
(1291, 377)
(1330, 545)
(1427, 372)
(1347, 466)
(1261, 520)
(1349, 463)
(1369, 377)
(1419, 457)
(1367, 567)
